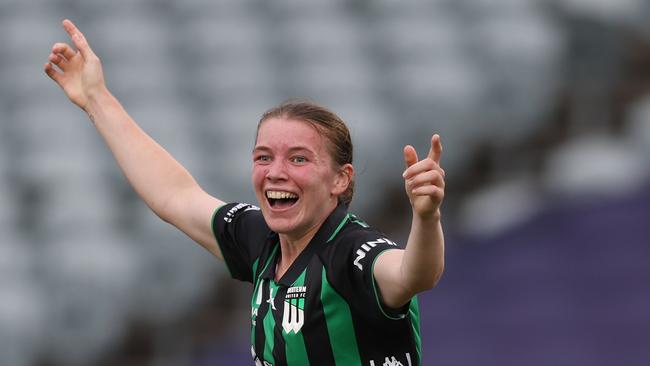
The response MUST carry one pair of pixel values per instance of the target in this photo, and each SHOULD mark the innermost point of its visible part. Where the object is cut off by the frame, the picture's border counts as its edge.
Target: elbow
(170, 206)
(166, 210)
(161, 215)
(429, 281)
(163, 209)
(435, 280)
(411, 284)
(437, 276)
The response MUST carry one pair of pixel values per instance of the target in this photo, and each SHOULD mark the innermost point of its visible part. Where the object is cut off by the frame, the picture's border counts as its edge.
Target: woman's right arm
(161, 181)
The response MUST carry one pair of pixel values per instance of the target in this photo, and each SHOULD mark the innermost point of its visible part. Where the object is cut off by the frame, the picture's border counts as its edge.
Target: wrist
(429, 217)
(97, 99)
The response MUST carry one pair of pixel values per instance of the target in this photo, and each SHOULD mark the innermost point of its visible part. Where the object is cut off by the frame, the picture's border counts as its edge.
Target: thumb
(410, 155)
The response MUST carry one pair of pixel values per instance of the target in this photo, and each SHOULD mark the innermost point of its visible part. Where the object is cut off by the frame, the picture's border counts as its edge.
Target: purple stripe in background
(570, 287)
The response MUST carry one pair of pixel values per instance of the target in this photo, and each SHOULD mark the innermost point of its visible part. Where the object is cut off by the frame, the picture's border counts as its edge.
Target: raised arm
(164, 184)
(401, 274)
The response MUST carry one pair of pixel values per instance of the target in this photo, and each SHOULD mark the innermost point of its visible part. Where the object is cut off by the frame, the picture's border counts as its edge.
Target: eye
(299, 159)
(262, 158)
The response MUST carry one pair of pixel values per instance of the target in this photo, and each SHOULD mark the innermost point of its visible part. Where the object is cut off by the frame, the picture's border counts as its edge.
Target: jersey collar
(325, 233)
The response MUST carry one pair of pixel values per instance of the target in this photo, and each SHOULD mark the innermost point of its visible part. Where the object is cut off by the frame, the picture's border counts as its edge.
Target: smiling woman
(296, 180)
(328, 124)
(328, 289)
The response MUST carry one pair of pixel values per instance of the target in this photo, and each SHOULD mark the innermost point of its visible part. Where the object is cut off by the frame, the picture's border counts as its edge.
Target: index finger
(78, 38)
(70, 27)
(435, 152)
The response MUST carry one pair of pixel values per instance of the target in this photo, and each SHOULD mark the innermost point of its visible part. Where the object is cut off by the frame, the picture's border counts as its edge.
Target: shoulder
(241, 234)
(239, 222)
(357, 242)
(230, 211)
(356, 233)
(233, 212)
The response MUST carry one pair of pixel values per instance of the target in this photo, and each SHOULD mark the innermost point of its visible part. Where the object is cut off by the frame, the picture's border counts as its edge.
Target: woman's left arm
(401, 274)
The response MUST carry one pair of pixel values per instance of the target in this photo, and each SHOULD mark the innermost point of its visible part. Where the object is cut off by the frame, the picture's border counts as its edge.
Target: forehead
(278, 133)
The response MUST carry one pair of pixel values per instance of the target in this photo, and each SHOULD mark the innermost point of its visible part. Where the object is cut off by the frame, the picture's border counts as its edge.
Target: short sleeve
(241, 233)
(351, 266)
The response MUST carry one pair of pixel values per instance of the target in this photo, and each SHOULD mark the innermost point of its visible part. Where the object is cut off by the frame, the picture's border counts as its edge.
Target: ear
(343, 178)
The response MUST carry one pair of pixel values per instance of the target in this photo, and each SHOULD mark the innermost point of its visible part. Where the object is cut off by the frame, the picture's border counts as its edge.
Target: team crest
(293, 317)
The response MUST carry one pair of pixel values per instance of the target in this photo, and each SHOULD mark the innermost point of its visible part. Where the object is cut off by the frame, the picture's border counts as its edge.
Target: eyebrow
(262, 148)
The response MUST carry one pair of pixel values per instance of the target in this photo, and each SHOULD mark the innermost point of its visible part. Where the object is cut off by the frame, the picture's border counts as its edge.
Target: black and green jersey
(326, 309)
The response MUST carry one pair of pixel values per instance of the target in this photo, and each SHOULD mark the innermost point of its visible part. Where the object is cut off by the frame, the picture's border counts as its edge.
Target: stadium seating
(546, 258)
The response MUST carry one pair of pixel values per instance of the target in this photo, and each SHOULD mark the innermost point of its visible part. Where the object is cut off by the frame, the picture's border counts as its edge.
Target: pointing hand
(424, 179)
(78, 73)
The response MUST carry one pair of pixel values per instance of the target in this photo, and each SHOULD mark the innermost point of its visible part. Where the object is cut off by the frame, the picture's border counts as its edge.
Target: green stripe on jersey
(339, 326)
(256, 299)
(296, 352)
(414, 312)
(269, 326)
(255, 264)
(338, 228)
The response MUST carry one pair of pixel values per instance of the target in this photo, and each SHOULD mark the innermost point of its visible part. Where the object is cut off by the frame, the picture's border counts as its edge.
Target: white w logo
(392, 361)
(293, 317)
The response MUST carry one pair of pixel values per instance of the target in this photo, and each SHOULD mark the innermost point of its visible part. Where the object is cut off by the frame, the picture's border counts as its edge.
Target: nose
(276, 171)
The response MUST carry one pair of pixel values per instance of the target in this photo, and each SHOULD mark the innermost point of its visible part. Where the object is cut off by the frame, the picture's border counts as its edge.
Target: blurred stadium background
(544, 111)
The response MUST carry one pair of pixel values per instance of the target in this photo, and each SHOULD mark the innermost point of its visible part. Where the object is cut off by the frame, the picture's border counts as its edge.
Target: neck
(292, 244)
(291, 247)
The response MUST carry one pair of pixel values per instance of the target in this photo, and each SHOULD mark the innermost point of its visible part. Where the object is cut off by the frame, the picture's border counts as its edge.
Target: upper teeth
(280, 195)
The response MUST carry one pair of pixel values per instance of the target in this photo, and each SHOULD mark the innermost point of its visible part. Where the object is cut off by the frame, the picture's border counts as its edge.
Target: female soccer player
(327, 288)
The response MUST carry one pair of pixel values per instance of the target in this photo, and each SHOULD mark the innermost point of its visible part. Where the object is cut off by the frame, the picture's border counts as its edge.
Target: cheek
(257, 177)
(319, 181)
(307, 177)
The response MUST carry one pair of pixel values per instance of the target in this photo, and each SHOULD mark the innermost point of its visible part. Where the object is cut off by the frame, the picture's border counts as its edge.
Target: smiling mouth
(281, 199)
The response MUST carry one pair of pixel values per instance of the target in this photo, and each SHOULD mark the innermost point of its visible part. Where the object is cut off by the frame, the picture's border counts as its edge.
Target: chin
(280, 225)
